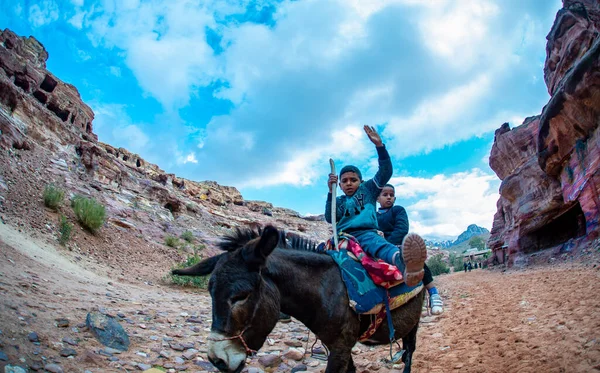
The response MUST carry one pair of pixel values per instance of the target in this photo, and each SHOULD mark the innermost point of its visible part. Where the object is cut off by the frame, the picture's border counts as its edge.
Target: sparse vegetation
(187, 236)
(437, 265)
(53, 196)
(456, 262)
(171, 241)
(64, 228)
(89, 212)
(477, 242)
(196, 281)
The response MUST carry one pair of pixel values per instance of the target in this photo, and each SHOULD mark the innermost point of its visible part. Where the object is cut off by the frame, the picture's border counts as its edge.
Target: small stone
(293, 343)
(70, 341)
(145, 367)
(33, 337)
(269, 360)
(205, 365)
(112, 350)
(53, 368)
(294, 354)
(177, 347)
(14, 369)
(194, 320)
(299, 368)
(190, 354)
(66, 352)
(62, 323)
(3, 356)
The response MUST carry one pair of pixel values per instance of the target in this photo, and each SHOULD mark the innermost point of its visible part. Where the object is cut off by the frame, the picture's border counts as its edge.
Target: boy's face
(349, 182)
(387, 198)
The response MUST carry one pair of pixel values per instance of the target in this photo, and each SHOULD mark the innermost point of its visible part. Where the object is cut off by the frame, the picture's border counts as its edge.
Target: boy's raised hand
(373, 135)
(332, 182)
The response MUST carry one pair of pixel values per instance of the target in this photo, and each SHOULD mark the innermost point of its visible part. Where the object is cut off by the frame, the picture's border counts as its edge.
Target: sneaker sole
(414, 253)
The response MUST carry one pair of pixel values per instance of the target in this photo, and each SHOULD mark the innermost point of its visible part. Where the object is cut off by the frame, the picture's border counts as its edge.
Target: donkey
(252, 281)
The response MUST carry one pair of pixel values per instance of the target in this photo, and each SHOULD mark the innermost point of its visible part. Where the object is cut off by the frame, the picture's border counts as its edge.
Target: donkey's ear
(202, 268)
(257, 254)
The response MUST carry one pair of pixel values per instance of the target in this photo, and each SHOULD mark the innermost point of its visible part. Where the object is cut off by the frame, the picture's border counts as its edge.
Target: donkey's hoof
(414, 254)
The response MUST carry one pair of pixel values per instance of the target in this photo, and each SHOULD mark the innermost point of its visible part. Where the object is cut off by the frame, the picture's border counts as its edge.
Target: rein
(240, 336)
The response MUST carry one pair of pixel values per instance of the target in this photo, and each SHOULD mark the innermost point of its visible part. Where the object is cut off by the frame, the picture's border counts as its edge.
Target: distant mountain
(472, 231)
(435, 243)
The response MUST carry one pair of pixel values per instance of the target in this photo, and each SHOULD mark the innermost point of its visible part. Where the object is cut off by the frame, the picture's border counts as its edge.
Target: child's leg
(410, 262)
(427, 277)
(377, 247)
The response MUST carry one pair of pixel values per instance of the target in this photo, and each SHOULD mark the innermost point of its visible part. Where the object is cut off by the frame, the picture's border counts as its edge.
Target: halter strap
(249, 351)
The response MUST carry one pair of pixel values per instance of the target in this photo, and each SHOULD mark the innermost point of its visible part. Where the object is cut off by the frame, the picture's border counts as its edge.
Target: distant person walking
(465, 266)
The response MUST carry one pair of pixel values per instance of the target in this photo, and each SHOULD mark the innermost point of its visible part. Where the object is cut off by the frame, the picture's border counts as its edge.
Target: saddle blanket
(366, 297)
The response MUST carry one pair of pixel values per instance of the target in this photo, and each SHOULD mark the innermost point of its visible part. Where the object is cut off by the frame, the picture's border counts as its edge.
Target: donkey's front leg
(339, 361)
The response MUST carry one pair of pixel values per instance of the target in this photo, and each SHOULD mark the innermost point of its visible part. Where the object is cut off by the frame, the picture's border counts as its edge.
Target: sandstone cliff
(46, 134)
(549, 165)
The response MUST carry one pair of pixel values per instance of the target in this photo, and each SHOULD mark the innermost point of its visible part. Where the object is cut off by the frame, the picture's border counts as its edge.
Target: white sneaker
(435, 304)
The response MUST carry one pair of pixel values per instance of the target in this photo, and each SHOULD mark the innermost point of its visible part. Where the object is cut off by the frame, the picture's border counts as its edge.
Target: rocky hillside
(47, 136)
(550, 164)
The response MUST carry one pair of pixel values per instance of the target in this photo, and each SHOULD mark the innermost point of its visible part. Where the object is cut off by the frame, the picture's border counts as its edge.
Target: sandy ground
(543, 319)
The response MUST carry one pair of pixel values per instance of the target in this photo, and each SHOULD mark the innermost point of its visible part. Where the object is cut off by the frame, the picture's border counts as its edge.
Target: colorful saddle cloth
(370, 281)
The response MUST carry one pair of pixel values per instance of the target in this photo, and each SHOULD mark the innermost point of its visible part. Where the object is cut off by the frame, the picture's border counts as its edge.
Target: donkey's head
(245, 305)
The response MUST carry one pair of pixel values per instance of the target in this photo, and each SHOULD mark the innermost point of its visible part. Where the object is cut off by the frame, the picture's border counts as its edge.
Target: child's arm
(384, 173)
(400, 224)
(331, 183)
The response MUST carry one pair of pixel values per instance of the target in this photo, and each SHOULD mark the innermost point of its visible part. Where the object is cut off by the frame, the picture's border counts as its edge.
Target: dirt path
(543, 320)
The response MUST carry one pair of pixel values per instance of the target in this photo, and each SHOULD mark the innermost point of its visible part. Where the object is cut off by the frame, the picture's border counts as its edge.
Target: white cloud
(190, 158)
(78, 3)
(115, 70)
(77, 19)
(132, 136)
(43, 13)
(18, 10)
(114, 126)
(447, 204)
(83, 55)
(457, 30)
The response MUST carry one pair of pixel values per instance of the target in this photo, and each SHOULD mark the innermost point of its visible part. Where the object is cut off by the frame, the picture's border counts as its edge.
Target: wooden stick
(333, 206)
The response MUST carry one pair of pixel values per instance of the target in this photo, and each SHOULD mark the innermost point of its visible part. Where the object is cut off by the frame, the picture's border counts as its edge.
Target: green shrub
(89, 212)
(64, 228)
(188, 236)
(456, 262)
(171, 241)
(53, 196)
(196, 281)
(437, 265)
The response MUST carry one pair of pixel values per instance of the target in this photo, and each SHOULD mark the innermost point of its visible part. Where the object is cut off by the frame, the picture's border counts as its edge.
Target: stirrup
(394, 358)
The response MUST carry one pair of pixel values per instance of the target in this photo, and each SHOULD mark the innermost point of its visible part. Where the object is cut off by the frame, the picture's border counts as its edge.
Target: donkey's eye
(239, 299)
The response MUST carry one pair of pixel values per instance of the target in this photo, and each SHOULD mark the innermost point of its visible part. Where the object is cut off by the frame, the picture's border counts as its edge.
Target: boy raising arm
(356, 215)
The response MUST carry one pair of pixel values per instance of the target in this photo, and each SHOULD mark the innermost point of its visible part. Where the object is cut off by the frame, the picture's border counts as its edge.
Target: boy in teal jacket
(357, 215)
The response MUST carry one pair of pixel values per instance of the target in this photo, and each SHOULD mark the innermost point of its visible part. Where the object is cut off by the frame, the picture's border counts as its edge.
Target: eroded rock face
(23, 65)
(549, 166)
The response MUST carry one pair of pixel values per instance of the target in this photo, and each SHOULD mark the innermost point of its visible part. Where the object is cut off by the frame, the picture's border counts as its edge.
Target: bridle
(240, 336)
(249, 351)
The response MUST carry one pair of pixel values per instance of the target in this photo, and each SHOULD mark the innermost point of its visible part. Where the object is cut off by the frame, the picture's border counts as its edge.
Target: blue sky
(260, 94)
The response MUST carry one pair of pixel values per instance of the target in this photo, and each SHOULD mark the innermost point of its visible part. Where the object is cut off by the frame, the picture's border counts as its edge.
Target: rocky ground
(542, 319)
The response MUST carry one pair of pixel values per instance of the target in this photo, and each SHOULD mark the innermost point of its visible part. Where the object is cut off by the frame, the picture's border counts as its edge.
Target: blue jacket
(393, 222)
(359, 212)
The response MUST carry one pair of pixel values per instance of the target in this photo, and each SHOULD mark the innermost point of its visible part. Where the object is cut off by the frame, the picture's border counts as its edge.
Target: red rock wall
(549, 166)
